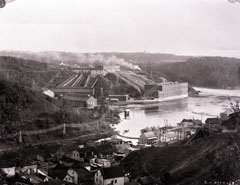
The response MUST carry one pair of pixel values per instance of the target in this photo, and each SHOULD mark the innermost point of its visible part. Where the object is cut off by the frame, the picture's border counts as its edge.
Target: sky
(184, 27)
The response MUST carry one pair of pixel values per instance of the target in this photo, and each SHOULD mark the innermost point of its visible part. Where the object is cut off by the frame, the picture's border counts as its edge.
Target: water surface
(210, 103)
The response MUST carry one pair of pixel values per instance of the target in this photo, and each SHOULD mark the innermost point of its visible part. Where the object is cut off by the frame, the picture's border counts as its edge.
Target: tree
(13, 100)
(3, 177)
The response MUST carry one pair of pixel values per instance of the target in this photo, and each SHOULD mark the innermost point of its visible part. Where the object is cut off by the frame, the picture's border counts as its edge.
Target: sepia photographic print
(119, 92)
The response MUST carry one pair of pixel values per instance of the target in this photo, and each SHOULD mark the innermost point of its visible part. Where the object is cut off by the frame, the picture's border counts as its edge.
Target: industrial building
(166, 90)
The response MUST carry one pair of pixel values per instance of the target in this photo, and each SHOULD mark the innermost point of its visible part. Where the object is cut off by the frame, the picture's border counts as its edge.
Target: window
(115, 180)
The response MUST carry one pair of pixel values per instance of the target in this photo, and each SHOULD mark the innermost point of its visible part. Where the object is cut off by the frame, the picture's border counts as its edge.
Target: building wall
(98, 180)
(69, 179)
(174, 89)
(151, 91)
(119, 97)
(143, 139)
(92, 103)
(75, 155)
(60, 153)
(74, 175)
(10, 171)
(114, 181)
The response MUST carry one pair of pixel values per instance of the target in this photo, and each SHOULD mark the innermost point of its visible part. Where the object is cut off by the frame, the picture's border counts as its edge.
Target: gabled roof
(150, 134)
(165, 128)
(194, 121)
(80, 170)
(212, 121)
(112, 172)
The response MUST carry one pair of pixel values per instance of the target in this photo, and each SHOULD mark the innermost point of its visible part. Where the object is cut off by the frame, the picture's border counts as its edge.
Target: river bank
(208, 104)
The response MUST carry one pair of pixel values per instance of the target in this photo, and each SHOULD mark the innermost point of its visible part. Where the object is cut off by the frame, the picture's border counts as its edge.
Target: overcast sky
(186, 27)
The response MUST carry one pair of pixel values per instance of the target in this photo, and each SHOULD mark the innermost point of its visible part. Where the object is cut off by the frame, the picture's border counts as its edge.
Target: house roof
(80, 170)
(86, 150)
(165, 128)
(60, 171)
(194, 121)
(150, 134)
(212, 121)
(112, 172)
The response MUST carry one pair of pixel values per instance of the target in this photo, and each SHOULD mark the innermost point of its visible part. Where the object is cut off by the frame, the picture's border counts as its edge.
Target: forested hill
(19, 106)
(213, 72)
(144, 58)
(26, 72)
(209, 159)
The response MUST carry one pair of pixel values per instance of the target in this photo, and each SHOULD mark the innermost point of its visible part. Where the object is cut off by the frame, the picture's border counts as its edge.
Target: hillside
(17, 103)
(144, 58)
(29, 73)
(213, 72)
(214, 158)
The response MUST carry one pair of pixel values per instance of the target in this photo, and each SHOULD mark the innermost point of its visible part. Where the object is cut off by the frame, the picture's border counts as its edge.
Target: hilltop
(213, 158)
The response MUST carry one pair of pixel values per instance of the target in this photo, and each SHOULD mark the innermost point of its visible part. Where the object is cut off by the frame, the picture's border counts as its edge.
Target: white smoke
(111, 60)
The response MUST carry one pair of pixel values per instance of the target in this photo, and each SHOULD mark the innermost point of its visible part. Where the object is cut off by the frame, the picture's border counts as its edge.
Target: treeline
(14, 63)
(213, 72)
(144, 58)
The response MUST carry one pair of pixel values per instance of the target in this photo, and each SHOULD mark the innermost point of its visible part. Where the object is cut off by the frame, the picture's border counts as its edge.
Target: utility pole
(20, 137)
(102, 94)
(64, 129)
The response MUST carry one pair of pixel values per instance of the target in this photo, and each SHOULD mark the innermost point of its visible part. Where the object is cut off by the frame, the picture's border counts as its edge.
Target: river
(210, 103)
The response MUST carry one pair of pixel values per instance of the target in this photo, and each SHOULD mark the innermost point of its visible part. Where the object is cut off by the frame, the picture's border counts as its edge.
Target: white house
(109, 176)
